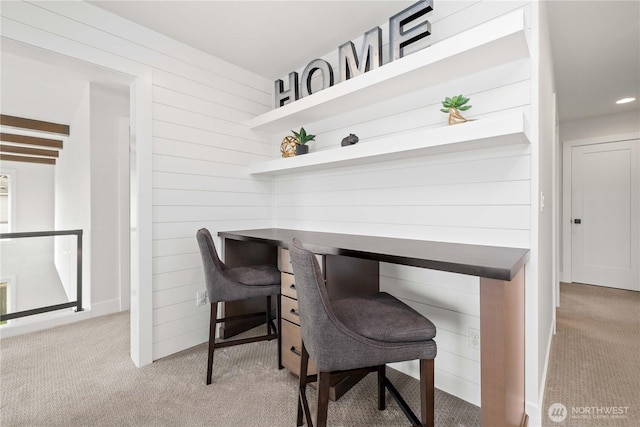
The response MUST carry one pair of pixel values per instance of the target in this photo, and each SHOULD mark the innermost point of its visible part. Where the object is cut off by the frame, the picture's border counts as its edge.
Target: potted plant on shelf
(453, 106)
(303, 138)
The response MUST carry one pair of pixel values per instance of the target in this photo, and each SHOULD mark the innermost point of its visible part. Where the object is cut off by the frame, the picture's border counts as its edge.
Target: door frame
(124, 213)
(139, 79)
(567, 147)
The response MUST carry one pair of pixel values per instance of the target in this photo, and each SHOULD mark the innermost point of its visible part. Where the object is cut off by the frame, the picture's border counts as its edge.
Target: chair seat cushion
(258, 275)
(382, 317)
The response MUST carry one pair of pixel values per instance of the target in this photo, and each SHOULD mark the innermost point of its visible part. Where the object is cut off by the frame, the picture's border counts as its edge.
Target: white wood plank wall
(200, 147)
(480, 197)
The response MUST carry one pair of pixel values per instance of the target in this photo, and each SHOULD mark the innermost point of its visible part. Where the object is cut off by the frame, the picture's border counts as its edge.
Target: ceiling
(596, 56)
(270, 38)
(596, 45)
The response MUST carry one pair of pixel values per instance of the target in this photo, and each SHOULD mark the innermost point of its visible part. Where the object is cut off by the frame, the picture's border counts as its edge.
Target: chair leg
(427, 392)
(323, 398)
(272, 329)
(299, 421)
(212, 339)
(269, 315)
(279, 321)
(303, 406)
(382, 401)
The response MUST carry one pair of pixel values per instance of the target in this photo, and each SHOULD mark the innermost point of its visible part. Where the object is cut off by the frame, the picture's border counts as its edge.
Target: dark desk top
(492, 262)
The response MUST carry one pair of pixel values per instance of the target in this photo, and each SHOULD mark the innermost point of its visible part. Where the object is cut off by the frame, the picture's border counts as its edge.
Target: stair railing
(39, 310)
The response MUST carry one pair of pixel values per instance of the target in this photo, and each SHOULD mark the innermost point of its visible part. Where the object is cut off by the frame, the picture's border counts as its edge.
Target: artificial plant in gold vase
(453, 106)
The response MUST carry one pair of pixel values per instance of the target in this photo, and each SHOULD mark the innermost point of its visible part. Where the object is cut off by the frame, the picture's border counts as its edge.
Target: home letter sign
(351, 64)
(316, 65)
(399, 37)
(289, 95)
(370, 55)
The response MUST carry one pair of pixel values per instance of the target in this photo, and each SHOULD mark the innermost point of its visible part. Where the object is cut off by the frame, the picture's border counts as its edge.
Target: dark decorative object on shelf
(301, 149)
(350, 140)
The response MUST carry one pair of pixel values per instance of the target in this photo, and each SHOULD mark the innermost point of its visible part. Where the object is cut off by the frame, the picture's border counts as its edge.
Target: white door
(605, 215)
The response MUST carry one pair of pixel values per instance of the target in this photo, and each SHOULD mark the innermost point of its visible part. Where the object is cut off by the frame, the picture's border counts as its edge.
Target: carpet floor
(593, 378)
(82, 375)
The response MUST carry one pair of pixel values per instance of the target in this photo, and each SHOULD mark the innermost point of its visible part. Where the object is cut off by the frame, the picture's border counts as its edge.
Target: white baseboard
(41, 322)
(536, 410)
(52, 319)
(105, 307)
(533, 411)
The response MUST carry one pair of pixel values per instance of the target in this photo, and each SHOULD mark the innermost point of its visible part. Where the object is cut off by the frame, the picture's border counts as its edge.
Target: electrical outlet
(474, 338)
(201, 298)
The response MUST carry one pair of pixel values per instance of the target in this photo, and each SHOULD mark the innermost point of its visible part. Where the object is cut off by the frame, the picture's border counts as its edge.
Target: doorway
(601, 212)
(137, 78)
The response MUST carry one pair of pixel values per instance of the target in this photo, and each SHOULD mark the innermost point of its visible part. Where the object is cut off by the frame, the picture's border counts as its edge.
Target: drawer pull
(294, 312)
(294, 351)
(292, 286)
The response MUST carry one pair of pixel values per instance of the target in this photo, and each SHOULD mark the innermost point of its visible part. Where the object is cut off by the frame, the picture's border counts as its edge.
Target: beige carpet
(82, 375)
(594, 368)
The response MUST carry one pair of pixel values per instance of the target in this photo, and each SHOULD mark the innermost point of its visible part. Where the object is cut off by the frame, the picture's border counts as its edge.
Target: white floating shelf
(499, 41)
(506, 129)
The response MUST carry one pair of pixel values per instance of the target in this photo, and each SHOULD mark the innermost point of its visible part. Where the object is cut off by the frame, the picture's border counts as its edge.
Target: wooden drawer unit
(288, 285)
(291, 347)
(284, 261)
(290, 310)
(291, 334)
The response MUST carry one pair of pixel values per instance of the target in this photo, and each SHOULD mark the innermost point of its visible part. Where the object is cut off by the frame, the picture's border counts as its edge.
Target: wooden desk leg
(502, 352)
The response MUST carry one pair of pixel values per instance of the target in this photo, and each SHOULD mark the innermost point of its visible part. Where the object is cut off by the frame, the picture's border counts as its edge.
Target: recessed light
(625, 100)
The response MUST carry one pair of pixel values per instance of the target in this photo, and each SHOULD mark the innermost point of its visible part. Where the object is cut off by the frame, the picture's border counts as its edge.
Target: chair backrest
(317, 322)
(213, 267)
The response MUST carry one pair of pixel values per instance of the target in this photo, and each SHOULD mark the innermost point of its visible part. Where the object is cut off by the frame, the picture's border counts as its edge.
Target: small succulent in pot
(453, 106)
(303, 137)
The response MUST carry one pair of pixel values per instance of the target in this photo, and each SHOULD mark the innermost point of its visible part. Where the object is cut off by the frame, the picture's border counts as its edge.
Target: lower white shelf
(506, 129)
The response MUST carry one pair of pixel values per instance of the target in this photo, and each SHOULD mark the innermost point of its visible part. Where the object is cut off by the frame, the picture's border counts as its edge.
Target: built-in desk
(501, 273)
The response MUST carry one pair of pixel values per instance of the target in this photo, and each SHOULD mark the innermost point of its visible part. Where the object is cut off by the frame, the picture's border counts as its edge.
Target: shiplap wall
(200, 146)
(480, 196)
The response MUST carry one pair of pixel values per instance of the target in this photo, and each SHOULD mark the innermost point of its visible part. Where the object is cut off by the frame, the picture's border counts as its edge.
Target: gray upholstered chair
(237, 283)
(358, 334)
